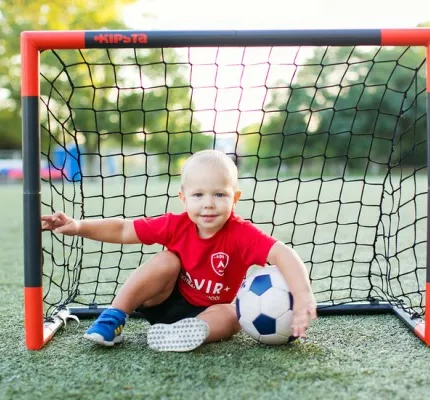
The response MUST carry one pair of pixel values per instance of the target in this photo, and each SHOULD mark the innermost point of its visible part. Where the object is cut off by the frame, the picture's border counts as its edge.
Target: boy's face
(209, 196)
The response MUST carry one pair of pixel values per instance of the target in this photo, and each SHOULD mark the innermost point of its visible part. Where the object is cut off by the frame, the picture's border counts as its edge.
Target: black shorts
(173, 309)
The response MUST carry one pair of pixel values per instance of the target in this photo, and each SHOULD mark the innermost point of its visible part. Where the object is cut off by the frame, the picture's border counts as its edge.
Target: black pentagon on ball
(237, 309)
(260, 284)
(291, 300)
(265, 325)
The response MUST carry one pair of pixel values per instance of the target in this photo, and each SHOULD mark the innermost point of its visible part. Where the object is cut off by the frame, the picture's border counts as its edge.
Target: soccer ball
(264, 307)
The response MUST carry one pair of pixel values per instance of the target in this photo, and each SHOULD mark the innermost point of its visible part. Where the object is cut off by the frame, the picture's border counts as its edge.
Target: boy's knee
(165, 264)
(228, 315)
(233, 320)
(167, 258)
(235, 326)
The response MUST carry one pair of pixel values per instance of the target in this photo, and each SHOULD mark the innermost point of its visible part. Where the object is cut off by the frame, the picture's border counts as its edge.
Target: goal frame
(37, 332)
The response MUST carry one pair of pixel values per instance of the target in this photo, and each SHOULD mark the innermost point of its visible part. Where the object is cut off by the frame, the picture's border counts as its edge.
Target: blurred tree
(348, 106)
(40, 15)
(129, 100)
(95, 94)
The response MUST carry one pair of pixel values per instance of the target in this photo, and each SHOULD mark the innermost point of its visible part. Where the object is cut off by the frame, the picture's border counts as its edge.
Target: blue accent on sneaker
(107, 328)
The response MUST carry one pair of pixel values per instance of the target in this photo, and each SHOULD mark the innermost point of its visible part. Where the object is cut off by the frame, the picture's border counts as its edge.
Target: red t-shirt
(212, 269)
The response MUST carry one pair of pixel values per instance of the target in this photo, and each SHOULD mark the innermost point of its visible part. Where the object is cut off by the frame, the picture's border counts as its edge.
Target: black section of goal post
(93, 312)
(31, 192)
(373, 307)
(323, 310)
(159, 39)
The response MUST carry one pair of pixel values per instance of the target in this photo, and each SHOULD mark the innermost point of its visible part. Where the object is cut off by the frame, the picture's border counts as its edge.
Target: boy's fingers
(47, 224)
(301, 322)
(62, 229)
(314, 313)
(297, 332)
(299, 328)
(57, 216)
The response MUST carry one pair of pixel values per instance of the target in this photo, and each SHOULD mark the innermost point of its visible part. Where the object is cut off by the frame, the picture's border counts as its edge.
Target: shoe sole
(184, 335)
(96, 338)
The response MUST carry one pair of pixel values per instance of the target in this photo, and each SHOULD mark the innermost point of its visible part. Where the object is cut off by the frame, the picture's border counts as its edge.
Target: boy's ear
(182, 198)
(237, 196)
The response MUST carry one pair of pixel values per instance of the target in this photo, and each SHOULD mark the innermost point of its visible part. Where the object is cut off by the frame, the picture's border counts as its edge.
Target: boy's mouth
(208, 217)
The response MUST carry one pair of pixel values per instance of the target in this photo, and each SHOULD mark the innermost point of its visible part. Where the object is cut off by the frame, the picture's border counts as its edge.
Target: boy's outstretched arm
(294, 271)
(109, 230)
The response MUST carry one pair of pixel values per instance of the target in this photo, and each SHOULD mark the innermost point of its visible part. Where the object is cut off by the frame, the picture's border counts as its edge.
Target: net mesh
(330, 144)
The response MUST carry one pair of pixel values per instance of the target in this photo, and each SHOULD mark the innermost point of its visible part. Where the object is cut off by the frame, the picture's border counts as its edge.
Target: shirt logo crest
(219, 262)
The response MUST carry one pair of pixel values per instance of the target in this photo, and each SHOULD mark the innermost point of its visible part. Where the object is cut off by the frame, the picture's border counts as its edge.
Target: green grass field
(349, 357)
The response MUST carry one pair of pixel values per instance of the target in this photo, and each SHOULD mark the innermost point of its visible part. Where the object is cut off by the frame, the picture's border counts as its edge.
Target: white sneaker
(184, 335)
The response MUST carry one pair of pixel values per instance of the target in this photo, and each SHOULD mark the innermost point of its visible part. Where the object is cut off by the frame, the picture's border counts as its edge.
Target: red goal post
(37, 332)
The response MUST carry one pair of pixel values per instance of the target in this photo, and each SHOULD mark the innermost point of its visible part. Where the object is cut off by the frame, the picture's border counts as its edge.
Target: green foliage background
(40, 15)
(350, 106)
(344, 105)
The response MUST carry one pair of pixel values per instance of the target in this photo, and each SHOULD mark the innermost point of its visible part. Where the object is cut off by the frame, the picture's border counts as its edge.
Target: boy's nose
(209, 203)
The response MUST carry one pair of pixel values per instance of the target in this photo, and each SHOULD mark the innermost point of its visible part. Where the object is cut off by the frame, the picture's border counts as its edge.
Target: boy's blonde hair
(213, 158)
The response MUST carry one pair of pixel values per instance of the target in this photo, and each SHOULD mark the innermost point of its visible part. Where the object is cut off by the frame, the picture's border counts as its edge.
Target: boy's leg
(148, 285)
(222, 321)
(217, 322)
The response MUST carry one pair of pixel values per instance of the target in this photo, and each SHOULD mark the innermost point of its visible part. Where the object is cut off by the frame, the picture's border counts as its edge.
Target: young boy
(186, 292)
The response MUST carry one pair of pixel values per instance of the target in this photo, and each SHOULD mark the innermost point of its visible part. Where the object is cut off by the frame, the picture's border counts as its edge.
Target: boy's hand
(60, 223)
(304, 309)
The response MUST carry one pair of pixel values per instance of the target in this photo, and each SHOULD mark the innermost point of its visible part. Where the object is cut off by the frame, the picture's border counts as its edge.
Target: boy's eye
(219, 194)
(197, 195)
